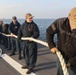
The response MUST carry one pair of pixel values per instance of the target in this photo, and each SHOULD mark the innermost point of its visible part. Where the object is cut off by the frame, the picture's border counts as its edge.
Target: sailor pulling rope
(61, 59)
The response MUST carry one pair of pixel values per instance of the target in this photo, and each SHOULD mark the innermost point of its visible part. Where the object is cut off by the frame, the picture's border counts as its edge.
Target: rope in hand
(61, 59)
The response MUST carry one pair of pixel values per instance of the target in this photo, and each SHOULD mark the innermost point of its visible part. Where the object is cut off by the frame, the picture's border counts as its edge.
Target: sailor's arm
(50, 32)
(20, 34)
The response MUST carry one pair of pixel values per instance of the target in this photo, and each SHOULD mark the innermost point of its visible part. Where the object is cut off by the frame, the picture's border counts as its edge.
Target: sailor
(14, 28)
(1, 39)
(5, 31)
(65, 28)
(9, 38)
(29, 29)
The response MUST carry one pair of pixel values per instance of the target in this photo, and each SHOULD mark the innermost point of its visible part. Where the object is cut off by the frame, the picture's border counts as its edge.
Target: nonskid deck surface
(46, 63)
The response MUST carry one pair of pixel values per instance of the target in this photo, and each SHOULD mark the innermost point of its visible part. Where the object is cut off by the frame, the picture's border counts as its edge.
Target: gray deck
(46, 63)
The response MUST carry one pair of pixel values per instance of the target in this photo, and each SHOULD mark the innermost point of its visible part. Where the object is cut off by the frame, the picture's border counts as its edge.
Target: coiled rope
(61, 59)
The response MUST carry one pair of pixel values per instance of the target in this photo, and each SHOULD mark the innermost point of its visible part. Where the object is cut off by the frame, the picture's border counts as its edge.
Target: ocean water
(43, 24)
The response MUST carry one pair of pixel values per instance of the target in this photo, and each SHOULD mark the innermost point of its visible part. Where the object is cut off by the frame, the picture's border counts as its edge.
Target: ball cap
(28, 15)
(14, 17)
(72, 14)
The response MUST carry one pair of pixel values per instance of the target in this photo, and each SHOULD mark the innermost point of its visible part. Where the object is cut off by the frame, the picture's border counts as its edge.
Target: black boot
(8, 48)
(29, 71)
(24, 67)
(20, 56)
(12, 54)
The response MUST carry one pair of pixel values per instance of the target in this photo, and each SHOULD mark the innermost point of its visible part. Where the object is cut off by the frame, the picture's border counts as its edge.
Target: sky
(39, 8)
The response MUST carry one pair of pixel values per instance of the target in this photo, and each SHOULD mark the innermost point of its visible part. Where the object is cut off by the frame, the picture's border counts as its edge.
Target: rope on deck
(61, 59)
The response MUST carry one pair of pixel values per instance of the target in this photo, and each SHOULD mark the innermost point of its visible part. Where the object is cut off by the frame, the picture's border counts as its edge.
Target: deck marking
(15, 65)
